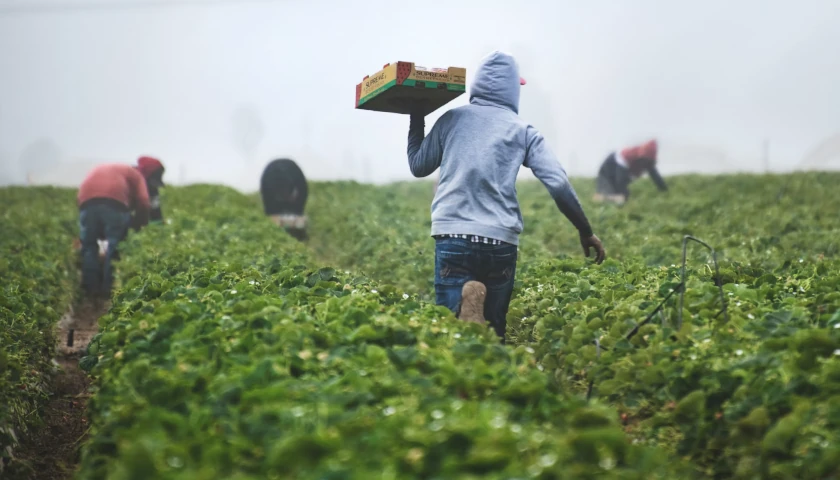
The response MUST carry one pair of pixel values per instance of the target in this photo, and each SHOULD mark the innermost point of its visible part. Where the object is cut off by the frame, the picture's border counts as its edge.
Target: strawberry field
(38, 279)
(233, 351)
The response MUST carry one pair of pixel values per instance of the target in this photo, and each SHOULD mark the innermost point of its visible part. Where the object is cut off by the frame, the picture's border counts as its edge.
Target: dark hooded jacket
(283, 188)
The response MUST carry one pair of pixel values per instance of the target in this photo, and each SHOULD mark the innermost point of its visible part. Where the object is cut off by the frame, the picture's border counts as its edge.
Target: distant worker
(476, 220)
(284, 191)
(107, 197)
(152, 169)
(624, 166)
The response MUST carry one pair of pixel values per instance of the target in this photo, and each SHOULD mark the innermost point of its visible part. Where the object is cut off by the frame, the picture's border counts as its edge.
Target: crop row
(749, 393)
(746, 394)
(38, 281)
(761, 220)
(227, 354)
(230, 353)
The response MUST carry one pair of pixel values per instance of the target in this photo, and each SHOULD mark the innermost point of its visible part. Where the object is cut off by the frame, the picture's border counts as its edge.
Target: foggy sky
(217, 90)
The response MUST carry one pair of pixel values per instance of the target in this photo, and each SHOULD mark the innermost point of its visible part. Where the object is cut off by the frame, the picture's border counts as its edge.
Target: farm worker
(106, 199)
(284, 191)
(622, 167)
(476, 219)
(153, 170)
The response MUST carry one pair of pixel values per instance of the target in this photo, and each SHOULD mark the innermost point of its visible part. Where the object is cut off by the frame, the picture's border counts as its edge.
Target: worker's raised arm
(657, 179)
(424, 153)
(541, 160)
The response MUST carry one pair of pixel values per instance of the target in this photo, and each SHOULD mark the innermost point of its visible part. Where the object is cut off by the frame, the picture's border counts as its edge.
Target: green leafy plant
(38, 279)
(711, 392)
(233, 351)
(227, 354)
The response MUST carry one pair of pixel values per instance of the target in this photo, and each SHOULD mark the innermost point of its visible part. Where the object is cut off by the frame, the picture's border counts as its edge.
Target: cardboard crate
(394, 87)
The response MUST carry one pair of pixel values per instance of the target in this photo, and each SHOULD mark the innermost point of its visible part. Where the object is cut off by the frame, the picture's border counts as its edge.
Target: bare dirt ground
(51, 452)
(77, 327)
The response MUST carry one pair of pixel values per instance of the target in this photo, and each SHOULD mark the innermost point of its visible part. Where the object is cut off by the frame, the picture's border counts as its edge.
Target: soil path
(51, 452)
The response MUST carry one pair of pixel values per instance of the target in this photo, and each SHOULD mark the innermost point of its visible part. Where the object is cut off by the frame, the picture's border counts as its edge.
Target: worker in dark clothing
(152, 169)
(623, 167)
(284, 191)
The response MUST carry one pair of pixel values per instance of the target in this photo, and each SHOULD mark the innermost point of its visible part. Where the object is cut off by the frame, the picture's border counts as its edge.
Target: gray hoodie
(479, 148)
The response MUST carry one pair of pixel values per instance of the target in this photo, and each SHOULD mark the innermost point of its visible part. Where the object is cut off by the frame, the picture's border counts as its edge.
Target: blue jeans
(457, 261)
(100, 221)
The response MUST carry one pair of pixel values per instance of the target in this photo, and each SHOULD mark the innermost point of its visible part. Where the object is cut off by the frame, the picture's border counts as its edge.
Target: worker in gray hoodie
(476, 219)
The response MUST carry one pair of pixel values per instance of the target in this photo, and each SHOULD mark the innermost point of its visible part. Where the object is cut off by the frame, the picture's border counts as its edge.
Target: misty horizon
(218, 89)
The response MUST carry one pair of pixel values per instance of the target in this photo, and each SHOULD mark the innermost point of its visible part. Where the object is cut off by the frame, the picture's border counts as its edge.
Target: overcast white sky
(216, 89)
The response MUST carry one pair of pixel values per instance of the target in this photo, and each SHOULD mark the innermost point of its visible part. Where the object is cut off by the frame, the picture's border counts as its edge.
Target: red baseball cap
(148, 165)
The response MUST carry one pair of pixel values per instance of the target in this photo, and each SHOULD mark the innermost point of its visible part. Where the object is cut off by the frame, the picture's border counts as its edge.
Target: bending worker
(623, 167)
(107, 197)
(284, 191)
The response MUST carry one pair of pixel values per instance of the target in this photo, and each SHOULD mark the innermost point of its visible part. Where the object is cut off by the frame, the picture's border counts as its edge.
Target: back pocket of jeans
(453, 269)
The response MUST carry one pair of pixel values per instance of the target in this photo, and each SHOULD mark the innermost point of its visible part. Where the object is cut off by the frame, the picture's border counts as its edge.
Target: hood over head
(497, 82)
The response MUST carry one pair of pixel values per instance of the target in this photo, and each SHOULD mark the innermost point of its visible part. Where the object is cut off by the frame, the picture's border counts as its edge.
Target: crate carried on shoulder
(398, 87)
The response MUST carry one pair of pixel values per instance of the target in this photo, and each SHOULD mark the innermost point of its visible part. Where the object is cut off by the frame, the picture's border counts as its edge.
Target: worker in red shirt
(624, 166)
(107, 197)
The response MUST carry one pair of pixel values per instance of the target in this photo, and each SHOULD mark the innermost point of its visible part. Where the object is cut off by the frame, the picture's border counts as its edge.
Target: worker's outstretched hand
(588, 243)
